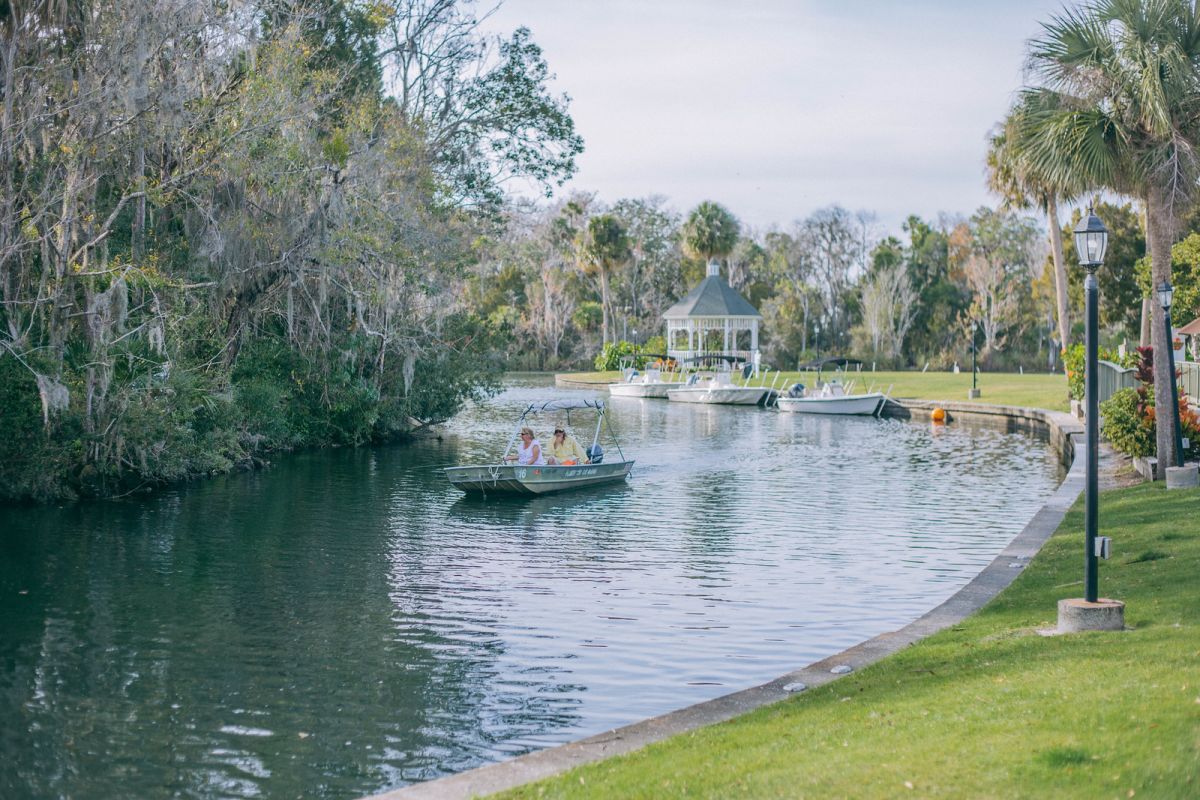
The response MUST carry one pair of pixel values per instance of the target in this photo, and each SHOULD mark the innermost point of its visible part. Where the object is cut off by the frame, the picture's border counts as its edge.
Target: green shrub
(610, 357)
(1129, 430)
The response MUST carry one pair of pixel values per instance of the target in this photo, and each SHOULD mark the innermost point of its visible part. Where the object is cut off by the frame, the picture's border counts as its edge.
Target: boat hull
(727, 395)
(529, 481)
(854, 405)
(658, 390)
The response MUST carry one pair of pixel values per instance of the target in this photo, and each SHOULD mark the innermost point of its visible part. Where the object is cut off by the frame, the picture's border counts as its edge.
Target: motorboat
(504, 477)
(651, 381)
(831, 398)
(716, 385)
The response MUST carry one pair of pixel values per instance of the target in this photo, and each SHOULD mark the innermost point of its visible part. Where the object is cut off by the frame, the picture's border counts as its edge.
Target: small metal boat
(716, 385)
(651, 382)
(522, 479)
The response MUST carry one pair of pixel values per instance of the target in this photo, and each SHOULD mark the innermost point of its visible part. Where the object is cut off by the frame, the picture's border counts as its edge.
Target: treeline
(831, 283)
(233, 226)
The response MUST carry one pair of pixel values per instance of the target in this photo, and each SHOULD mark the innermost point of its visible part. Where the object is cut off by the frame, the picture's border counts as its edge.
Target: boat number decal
(572, 473)
(520, 473)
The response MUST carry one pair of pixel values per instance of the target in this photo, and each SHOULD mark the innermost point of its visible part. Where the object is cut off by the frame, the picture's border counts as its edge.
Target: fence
(1189, 380)
(1113, 378)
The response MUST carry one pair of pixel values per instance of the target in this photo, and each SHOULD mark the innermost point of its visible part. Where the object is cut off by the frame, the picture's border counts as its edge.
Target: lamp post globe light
(1165, 294)
(1091, 613)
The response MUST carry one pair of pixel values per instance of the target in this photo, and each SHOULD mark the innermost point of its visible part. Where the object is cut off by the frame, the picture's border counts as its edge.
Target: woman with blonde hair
(565, 450)
(529, 450)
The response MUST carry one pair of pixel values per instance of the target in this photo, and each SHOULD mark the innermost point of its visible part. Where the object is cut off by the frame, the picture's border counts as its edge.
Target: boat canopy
(564, 404)
(827, 362)
(714, 358)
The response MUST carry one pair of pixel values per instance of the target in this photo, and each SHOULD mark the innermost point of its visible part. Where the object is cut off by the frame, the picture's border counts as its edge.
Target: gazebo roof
(712, 298)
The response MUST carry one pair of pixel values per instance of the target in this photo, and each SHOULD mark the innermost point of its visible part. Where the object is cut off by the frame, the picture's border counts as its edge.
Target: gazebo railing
(680, 355)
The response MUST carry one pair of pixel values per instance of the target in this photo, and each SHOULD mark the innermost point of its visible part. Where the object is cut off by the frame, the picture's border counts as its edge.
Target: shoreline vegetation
(987, 708)
(256, 227)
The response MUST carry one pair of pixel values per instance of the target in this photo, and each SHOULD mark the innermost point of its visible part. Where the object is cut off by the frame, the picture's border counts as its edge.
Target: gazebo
(712, 320)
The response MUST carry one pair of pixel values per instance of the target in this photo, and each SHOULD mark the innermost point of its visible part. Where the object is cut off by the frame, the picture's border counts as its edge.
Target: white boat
(651, 382)
(716, 386)
(830, 399)
(504, 477)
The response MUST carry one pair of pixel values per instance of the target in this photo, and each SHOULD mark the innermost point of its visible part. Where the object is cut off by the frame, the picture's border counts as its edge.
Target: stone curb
(1066, 433)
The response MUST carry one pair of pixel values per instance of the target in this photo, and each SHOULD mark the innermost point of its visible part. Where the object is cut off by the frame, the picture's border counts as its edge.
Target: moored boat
(536, 479)
(650, 382)
(716, 386)
(835, 401)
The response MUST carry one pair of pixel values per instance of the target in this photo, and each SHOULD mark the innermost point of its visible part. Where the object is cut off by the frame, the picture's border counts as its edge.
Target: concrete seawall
(1066, 436)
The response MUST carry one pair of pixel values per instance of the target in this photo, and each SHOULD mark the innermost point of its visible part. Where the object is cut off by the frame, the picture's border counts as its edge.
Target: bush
(610, 357)
(1126, 426)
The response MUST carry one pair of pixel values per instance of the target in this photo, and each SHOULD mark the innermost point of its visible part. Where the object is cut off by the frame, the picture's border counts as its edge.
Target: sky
(776, 109)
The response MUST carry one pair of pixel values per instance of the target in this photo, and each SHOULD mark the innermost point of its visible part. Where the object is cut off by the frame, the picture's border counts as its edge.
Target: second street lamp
(1091, 240)
(1165, 294)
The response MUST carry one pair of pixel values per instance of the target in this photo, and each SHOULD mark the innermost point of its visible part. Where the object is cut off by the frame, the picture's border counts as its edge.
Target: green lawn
(988, 708)
(1002, 388)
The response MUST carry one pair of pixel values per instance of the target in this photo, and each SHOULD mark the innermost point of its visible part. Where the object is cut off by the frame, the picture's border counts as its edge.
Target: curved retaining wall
(1066, 435)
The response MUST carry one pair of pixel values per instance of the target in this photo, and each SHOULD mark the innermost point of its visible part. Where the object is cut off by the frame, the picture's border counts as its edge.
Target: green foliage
(1129, 430)
(711, 231)
(610, 357)
(1185, 278)
(588, 315)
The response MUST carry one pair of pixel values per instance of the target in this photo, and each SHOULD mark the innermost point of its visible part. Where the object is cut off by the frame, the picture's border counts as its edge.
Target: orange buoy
(939, 415)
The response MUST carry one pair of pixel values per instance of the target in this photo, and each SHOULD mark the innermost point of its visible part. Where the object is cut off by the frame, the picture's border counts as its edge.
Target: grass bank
(988, 708)
(1001, 388)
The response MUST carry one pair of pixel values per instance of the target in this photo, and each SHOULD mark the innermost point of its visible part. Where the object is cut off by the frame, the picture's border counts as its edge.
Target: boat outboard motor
(797, 390)
(595, 453)
(747, 371)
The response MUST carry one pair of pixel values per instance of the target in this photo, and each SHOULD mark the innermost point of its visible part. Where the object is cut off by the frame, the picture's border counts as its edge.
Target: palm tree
(1013, 178)
(711, 232)
(605, 249)
(1115, 107)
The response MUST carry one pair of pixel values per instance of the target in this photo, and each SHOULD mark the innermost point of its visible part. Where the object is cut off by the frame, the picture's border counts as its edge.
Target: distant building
(712, 320)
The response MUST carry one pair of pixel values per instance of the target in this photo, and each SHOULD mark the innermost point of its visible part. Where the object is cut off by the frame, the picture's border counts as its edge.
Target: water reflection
(344, 621)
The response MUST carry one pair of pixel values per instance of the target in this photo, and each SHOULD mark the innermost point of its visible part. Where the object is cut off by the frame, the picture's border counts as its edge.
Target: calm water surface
(345, 622)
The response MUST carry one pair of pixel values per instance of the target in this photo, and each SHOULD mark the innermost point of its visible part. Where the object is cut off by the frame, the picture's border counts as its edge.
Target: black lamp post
(1166, 293)
(974, 368)
(1091, 240)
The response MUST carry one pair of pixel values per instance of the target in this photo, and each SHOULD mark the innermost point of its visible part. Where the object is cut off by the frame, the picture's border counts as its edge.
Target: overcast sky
(776, 108)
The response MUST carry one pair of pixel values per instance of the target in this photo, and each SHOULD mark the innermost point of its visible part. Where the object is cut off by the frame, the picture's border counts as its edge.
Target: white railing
(1112, 378)
(1189, 380)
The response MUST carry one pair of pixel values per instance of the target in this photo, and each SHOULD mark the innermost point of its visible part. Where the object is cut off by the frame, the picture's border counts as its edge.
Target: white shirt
(525, 454)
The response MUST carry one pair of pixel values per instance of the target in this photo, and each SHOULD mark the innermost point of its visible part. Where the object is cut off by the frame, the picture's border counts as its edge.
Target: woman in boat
(529, 450)
(565, 450)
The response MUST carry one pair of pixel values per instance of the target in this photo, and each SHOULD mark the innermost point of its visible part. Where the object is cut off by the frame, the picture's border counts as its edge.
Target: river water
(344, 622)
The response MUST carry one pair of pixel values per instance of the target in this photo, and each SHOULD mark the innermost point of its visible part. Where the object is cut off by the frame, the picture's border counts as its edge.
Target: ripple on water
(345, 622)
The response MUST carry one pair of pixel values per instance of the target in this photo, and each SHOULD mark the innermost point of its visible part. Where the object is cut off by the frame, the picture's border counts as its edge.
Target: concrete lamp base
(1185, 477)
(1076, 615)
(973, 394)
